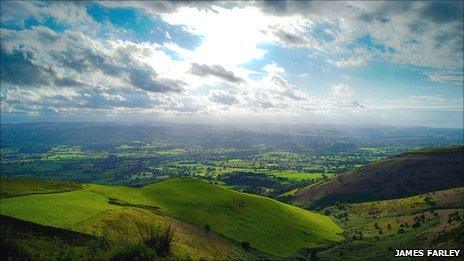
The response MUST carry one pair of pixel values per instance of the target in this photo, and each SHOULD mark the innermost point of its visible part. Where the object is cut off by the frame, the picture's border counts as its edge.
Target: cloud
(204, 70)
(74, 60)
(286, 89)
(145, 79)
(86, 66)
(223, 97)
(290, 38)
(350, 62)
(419, 102)
(341, 90)
(423, 34)
(19, 66)
(443, 77)
(442, 12)
(273, 68)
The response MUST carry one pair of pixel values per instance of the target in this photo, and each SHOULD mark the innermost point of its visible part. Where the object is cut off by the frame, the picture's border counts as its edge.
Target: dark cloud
(40, 56)
(68, 81)
(20, 67)
(159, 7)
(286, 7)
(383, 11)
(290, 38)
(110, 99)
(418, 27)
(146, 79)
(215, 70)
(81, 58)
(443, 11)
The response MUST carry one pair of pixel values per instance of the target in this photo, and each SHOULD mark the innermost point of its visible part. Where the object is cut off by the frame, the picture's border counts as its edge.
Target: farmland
(227, 193)
(142, 154)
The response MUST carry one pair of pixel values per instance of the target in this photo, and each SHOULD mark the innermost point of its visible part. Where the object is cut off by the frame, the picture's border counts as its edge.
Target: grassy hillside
(267, 225)
(18, 187)
(409, 174)
(30, 241)
(92, 213)
(374, 229)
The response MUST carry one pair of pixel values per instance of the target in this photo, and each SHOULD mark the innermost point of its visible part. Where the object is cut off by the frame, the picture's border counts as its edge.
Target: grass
(372, 228)
(298, 176)
(267, 225)
(64, 210)
(448, 149)
(18, 187)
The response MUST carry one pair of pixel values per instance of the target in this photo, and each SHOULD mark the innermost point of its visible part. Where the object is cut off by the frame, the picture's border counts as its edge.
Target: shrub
(158, 238)
(97, 245)
(134, 252)
(245, 245)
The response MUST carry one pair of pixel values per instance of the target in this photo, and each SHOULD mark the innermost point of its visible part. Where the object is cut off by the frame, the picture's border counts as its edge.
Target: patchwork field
(296, 175)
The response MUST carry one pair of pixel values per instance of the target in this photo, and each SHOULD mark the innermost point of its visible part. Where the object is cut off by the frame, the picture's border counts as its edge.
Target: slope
(405, 175)
(375, 229)
(267, 225)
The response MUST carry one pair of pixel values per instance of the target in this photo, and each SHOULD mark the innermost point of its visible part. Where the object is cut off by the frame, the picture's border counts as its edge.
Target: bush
(158, 238)
(97, 245)
(134, 252)
(245, 245)
(153, 242)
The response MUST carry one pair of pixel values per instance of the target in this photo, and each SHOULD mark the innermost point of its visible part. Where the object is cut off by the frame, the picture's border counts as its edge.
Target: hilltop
(408, 174)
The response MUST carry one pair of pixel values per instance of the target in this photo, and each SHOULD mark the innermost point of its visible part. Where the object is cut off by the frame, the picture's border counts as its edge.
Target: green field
(267, 225)
(18, 187)
(297, 175)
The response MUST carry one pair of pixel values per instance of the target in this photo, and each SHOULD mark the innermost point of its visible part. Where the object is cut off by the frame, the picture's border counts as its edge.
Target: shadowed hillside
(408, 174)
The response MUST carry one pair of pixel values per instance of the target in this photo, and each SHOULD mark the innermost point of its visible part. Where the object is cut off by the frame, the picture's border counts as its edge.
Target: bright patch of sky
(279, 61)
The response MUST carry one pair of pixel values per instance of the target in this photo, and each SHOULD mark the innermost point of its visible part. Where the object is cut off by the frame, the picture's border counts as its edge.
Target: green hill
(267, 225)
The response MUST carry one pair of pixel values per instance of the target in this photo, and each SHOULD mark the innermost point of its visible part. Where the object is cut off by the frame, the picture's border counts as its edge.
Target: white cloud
(76, 70)
(341, 89)
(453, 78)
(350, 62)
(273, 68)
(419, 102)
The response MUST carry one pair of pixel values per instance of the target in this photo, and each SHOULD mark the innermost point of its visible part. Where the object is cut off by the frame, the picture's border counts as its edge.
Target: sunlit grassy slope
(268, 225)
(377, 228)
(17, 187)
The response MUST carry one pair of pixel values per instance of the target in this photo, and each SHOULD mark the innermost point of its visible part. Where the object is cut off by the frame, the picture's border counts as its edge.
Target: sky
(340, 62)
